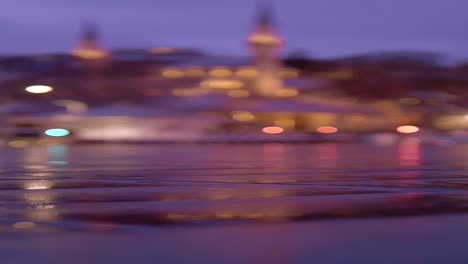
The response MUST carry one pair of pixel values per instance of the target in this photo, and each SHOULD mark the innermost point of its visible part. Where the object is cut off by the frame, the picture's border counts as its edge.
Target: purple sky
(322, 27)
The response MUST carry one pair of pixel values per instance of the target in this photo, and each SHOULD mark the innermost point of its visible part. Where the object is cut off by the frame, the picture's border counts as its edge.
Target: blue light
(57, 132)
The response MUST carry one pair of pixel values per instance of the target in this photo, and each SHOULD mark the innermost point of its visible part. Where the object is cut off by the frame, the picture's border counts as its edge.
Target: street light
(39, 89)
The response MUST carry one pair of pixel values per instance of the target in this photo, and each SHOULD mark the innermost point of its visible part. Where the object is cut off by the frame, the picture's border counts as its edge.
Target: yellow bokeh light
(90, 54)
(288, 92)
(39, 89)
(264, 39)
(247, 72)
(172, 73)
(222, 84)
(194, 72)
(18, 144)
(221, 72)
(243, 116)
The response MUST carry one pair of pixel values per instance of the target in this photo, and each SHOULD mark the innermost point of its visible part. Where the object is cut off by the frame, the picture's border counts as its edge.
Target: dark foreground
(257, 203)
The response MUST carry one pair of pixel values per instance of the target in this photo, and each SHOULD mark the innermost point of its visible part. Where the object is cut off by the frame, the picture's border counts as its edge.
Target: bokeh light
(57, 132)
(407, 129)
(273, 130)
(327, 130)
(39, 89)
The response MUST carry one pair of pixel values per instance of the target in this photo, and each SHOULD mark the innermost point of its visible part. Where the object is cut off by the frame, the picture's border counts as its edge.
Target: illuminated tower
(89, 47)
(266, 44)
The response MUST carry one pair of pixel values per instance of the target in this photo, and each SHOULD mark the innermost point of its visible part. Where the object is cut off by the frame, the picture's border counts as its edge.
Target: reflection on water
(409, 152)
(120, 185)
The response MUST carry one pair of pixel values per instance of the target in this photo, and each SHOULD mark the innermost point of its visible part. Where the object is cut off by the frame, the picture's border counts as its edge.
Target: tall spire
(89, 46)
(89, 32)
(266, 44)
(265, 13)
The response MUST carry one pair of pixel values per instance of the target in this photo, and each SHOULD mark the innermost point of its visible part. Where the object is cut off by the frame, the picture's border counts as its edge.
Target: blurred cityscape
(172, 94)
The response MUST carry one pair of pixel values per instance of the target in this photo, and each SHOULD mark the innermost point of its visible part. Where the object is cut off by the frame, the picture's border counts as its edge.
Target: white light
(39, 89)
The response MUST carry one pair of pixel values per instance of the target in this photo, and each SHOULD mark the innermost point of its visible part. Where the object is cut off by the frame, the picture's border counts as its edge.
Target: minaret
(266, 44)
(89, 47)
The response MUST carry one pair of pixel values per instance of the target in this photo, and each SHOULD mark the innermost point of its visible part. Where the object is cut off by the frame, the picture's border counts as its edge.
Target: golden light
(407, 129)
(221, 72)
(264, 39)
(239, 93)
(287, 92)
(39, 89)
(247, 72)
(194, 72)
(162, 50)
(243, 116)
(172, 73)
(18, 144)
(273, 130)
(90, 54)
(327, 130)
(290, 73)
(222, 84)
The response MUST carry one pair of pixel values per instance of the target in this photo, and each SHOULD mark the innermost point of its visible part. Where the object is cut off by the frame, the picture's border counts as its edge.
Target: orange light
(273, 130)
(407, 129)
(327, 130)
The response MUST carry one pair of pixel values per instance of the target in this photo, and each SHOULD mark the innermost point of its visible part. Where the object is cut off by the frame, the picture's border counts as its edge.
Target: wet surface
(71, 193)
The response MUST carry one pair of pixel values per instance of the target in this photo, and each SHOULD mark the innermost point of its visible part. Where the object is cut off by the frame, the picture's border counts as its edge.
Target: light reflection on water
(187, 184)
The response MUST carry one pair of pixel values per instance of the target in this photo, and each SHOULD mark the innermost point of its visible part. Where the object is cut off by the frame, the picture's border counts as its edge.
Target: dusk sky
(322, 27)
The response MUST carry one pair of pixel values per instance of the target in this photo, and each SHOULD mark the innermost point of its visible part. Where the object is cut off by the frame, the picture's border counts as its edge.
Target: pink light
(273, 130)
(407, 129)
(327, 130)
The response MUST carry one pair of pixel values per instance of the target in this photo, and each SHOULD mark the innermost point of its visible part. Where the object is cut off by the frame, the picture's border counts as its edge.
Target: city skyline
(322, 28)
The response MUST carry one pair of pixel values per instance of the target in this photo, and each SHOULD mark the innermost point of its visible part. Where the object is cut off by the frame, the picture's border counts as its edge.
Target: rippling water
(126, 192)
